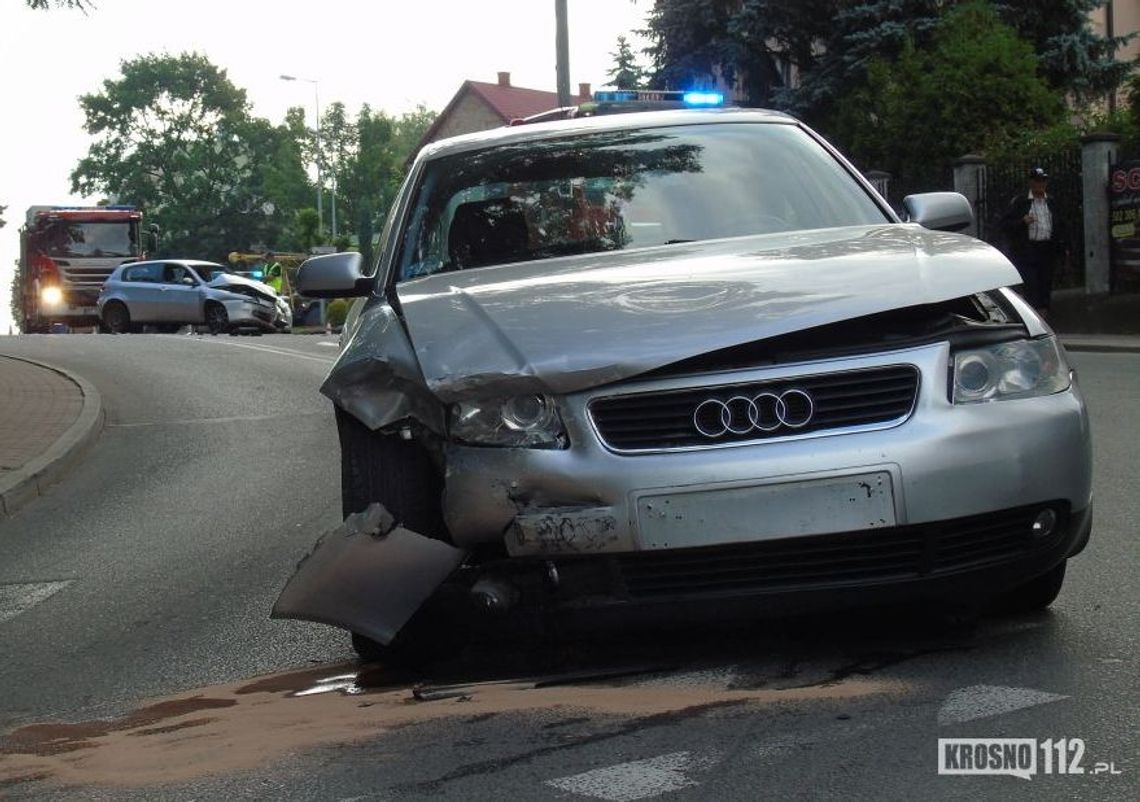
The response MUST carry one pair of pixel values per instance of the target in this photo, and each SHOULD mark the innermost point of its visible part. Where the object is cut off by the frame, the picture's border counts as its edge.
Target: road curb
(32, 479)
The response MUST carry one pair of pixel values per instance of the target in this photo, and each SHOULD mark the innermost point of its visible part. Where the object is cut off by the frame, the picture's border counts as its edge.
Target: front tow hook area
(368, 576)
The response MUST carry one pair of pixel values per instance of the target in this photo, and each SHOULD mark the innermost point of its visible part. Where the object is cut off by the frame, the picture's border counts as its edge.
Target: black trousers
(1036, 262)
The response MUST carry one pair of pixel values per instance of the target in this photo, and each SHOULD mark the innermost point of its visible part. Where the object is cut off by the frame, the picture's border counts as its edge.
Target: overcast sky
(390, 54)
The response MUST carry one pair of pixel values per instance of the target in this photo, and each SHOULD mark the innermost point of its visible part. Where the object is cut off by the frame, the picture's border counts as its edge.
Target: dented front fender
(377, 378)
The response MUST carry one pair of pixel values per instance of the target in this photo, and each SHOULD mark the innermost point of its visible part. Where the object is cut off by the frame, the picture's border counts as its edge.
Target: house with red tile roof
(478, 106)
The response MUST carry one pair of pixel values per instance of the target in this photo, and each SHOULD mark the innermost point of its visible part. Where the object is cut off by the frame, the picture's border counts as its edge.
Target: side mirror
(334, 275)
(941, 211)
(189, 282)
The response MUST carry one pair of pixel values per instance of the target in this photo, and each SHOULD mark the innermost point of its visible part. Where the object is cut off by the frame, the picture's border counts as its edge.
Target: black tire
(117, 318)
(395, 472)
(400, 475)
(1037, 594)
(217, 320)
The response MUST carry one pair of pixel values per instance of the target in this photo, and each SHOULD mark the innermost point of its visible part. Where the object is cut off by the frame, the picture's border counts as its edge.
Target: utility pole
(562, 49)
(1110, 32)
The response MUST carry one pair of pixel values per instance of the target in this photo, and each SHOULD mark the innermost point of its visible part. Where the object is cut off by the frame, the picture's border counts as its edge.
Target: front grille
(677, 419)
(847, 559)
(263, 314)
(86, 277)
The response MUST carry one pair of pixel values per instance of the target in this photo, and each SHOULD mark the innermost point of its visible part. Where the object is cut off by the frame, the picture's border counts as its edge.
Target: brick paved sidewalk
(37, 406)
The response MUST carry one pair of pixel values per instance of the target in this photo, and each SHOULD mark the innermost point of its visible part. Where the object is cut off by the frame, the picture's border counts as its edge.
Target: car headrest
(487, 232)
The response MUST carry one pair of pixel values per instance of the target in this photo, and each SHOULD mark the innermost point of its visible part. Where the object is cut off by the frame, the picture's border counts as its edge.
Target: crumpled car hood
(563, 325)
(230, 279)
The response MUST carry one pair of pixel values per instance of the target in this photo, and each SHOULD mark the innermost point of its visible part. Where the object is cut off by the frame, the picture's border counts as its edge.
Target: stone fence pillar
(970, 180)
(880, 180)
(1098, 153)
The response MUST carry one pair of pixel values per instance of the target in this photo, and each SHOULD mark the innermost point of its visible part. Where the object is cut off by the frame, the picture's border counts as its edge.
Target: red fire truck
(66, 253)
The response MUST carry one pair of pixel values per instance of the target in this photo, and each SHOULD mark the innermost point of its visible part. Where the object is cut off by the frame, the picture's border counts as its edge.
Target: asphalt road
(218, 468)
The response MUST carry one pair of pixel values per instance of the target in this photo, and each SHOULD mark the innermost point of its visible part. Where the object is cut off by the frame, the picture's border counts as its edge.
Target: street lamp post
(334, 206)
(320, 198)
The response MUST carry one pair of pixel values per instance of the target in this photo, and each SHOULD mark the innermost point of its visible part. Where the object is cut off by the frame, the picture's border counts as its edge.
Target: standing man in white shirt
(1036, 238)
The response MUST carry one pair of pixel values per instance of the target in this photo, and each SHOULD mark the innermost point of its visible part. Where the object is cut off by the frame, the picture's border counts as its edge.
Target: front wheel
(217, 321)
(397, 473)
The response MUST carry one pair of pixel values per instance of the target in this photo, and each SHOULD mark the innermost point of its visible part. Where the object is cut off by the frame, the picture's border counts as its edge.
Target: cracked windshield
(569, 400)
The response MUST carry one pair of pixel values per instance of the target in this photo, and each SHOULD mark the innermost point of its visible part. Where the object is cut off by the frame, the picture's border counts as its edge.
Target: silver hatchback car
(170, 293)
(687, 356)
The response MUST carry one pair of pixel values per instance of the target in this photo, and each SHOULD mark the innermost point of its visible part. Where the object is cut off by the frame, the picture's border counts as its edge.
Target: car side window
(174, 274)
(142, 274)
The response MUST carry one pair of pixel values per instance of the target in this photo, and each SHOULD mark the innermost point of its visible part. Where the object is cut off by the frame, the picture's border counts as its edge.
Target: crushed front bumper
(246, 315)
(965, 561)
(943, 462)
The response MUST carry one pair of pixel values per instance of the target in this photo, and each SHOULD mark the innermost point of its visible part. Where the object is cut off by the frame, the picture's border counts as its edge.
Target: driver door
(181, 296)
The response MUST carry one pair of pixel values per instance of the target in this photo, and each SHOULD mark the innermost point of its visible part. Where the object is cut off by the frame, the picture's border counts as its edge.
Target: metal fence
(936, 178)
(1006, 180)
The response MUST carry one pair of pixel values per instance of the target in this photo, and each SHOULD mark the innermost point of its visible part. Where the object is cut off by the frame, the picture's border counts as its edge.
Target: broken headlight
(1020, 369)
(521, 421)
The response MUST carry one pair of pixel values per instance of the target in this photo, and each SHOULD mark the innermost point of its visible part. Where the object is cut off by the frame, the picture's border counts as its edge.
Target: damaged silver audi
(677, 357)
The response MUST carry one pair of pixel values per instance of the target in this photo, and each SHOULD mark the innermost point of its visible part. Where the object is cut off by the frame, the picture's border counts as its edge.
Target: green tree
(369, 155)
(1071, 55)
(858, 35)
(306, 223)
(339, 145)
(15, 293)
(410, 130)
(371, 178)
(14, 287)
(831, 43)
(626, 72)
(173, 135)
(690, 43)
(974, 88)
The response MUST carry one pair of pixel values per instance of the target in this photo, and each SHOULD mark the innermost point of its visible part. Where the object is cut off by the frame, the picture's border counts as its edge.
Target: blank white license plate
(766, 512)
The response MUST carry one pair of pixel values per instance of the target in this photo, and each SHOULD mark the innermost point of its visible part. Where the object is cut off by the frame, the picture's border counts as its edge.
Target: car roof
(188, 262)
(611, 122)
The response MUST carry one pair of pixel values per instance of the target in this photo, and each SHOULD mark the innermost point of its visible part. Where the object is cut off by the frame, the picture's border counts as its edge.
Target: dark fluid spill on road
(58, 738)
(24, 778)
(184, 725)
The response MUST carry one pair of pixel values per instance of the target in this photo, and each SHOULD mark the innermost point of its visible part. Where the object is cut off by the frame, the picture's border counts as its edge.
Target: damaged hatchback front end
(687, 358)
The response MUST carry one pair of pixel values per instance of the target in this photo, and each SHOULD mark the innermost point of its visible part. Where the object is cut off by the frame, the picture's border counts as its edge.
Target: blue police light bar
(703, 99)
(616, 96)
(257, 274)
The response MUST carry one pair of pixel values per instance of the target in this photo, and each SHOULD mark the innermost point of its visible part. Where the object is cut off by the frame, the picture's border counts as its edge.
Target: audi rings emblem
(764, 413)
